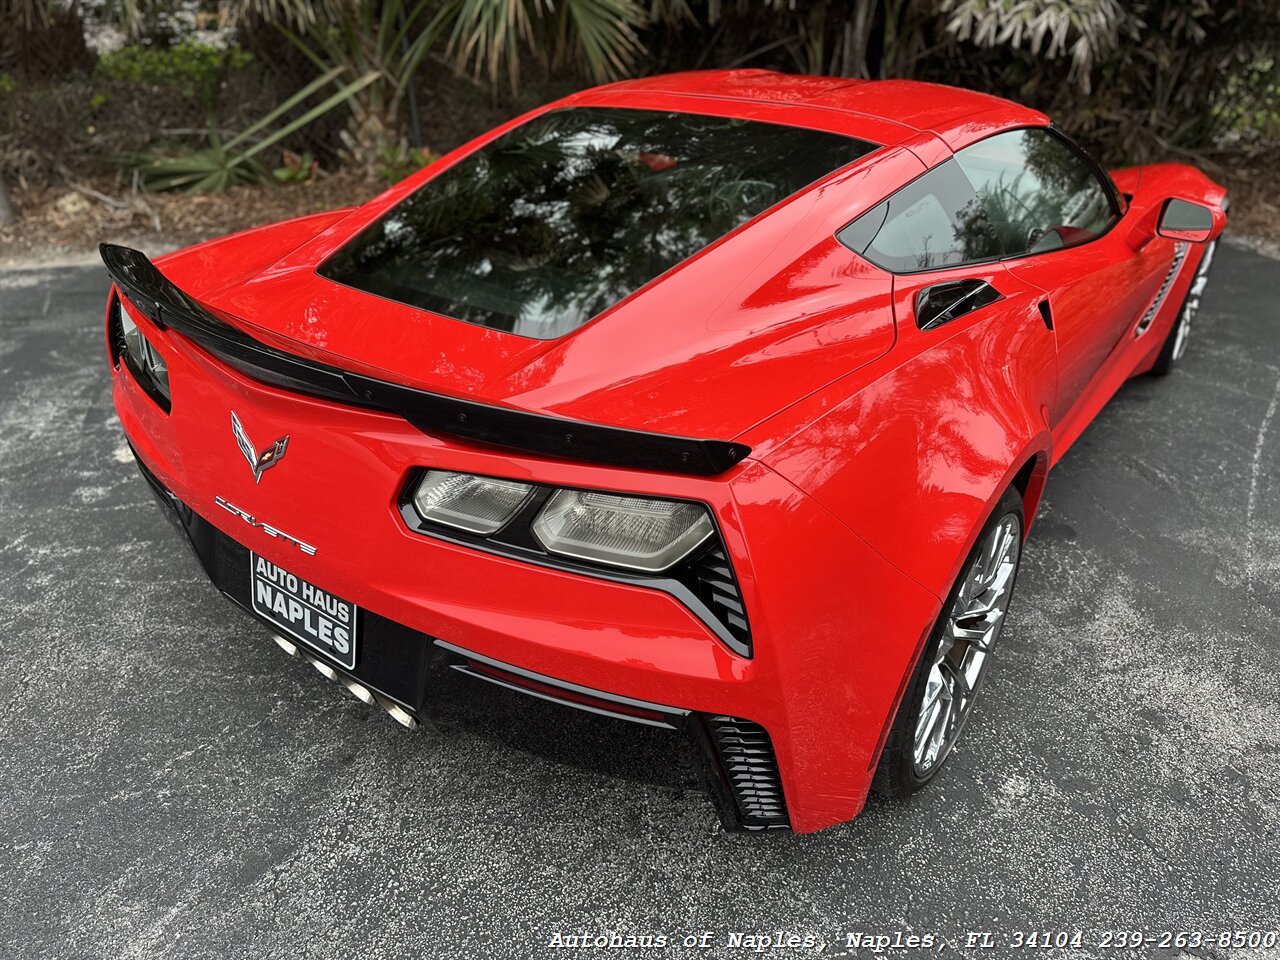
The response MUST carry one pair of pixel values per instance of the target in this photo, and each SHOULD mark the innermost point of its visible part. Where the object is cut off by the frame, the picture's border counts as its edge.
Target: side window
(935, 221)
(1039, 194)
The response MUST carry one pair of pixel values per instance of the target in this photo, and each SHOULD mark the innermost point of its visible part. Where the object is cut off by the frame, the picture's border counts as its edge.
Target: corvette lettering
(266, 528)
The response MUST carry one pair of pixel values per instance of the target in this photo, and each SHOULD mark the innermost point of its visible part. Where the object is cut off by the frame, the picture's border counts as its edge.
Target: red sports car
(718, 403)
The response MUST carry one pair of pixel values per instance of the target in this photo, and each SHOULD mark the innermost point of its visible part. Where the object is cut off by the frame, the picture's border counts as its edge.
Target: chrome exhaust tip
(359, 691)
(290, 648)
(398, 713)
(325, 669)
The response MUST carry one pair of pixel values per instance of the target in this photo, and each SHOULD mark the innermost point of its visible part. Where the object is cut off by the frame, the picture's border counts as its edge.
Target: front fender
(1148, 187)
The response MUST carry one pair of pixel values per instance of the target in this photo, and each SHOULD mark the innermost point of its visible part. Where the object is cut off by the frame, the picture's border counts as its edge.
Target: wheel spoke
(933, 694)
(925, 729)
(991, 558)
(988, 601)
(935, 719)
(960, 689)
(954, 716)
(966, 635)
(997, 551)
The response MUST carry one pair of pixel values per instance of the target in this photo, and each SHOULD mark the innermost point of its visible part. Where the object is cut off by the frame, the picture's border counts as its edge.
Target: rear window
(560, 218)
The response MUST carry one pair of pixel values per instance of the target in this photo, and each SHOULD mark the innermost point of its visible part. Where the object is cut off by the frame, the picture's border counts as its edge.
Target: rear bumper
(834, 626)
(417, 677)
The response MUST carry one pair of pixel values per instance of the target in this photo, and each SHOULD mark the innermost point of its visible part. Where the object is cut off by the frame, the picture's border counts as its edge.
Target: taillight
(147, 364)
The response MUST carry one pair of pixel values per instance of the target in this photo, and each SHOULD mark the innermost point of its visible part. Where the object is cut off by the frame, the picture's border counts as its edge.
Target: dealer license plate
(303, 611)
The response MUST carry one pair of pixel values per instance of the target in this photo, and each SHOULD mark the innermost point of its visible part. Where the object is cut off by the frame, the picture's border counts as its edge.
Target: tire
(1175, 341)
(908, 763)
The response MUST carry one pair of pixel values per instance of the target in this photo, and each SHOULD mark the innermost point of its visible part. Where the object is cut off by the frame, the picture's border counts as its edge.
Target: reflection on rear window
(562, 217)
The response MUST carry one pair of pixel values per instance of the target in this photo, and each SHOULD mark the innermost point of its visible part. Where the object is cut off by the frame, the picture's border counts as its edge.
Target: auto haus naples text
(321, 616)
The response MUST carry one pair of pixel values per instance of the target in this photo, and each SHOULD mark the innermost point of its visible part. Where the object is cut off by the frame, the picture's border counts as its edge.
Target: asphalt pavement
(173, 785)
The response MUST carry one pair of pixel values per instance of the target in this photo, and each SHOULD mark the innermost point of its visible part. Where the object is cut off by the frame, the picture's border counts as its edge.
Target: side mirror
(1184, 220)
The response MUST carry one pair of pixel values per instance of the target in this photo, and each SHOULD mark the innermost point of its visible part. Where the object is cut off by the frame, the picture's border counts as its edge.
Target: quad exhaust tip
(398, 713)
(358, 690)
(325, 670)
(290, 648)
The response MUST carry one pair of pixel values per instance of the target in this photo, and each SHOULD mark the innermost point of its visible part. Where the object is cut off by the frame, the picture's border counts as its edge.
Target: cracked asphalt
(172, 785)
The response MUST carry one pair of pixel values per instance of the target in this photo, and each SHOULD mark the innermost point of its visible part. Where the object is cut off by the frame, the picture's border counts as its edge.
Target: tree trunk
(8, 215)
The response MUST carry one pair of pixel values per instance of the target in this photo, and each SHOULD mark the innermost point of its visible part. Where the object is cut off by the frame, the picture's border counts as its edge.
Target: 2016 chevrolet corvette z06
(717, 403)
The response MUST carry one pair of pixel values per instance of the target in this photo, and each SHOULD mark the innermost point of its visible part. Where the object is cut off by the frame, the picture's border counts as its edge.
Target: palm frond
(605, 33)
(1086, 31)
(487, 36)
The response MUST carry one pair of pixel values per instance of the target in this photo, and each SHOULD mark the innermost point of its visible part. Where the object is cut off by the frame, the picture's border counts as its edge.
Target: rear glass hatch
(565, 215)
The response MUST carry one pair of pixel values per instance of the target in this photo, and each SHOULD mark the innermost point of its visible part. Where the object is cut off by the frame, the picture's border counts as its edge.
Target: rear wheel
(940, 698)
(1175, 344)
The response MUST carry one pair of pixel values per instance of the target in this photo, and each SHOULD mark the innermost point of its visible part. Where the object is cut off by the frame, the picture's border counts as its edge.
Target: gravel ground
(173, 785)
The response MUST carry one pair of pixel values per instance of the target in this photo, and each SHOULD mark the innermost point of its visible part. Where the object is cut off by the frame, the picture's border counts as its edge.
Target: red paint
(878, 449)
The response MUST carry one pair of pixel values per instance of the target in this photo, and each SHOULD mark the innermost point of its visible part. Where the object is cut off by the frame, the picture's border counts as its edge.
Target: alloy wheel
(970, 630)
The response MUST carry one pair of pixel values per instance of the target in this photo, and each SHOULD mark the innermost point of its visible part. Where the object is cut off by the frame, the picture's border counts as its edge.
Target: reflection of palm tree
(1052, 187)
(1019, 216)
(1057, 168)
(559, 219)
(972, 239)
(976, 235)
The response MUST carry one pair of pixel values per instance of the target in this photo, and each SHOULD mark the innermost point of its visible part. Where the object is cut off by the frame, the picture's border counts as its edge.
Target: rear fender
(204, 268)
(915, 457)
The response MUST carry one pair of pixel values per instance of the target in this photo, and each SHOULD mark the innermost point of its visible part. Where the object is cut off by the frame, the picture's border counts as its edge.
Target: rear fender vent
(750, 768)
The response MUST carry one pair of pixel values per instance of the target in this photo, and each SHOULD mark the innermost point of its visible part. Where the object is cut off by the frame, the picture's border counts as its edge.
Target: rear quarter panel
(913, 451)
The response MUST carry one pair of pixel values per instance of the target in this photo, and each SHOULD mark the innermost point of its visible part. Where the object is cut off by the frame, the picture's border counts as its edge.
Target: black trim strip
(162, 302)
(673, 715)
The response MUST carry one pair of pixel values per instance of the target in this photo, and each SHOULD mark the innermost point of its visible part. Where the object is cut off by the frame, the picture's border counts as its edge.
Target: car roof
(957, 117)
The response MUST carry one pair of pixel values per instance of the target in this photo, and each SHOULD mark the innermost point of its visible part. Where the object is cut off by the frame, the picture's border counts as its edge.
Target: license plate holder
(303, 611)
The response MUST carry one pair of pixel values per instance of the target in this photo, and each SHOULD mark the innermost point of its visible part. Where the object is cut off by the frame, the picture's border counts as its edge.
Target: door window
(1038, 193)
(1016, 193)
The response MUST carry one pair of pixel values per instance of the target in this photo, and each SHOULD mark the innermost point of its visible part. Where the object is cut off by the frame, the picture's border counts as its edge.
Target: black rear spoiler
(157, 298)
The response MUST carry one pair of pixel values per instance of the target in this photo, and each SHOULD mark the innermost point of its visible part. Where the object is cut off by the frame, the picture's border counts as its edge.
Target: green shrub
(295, 168)
(192, 69)
(396, 163)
